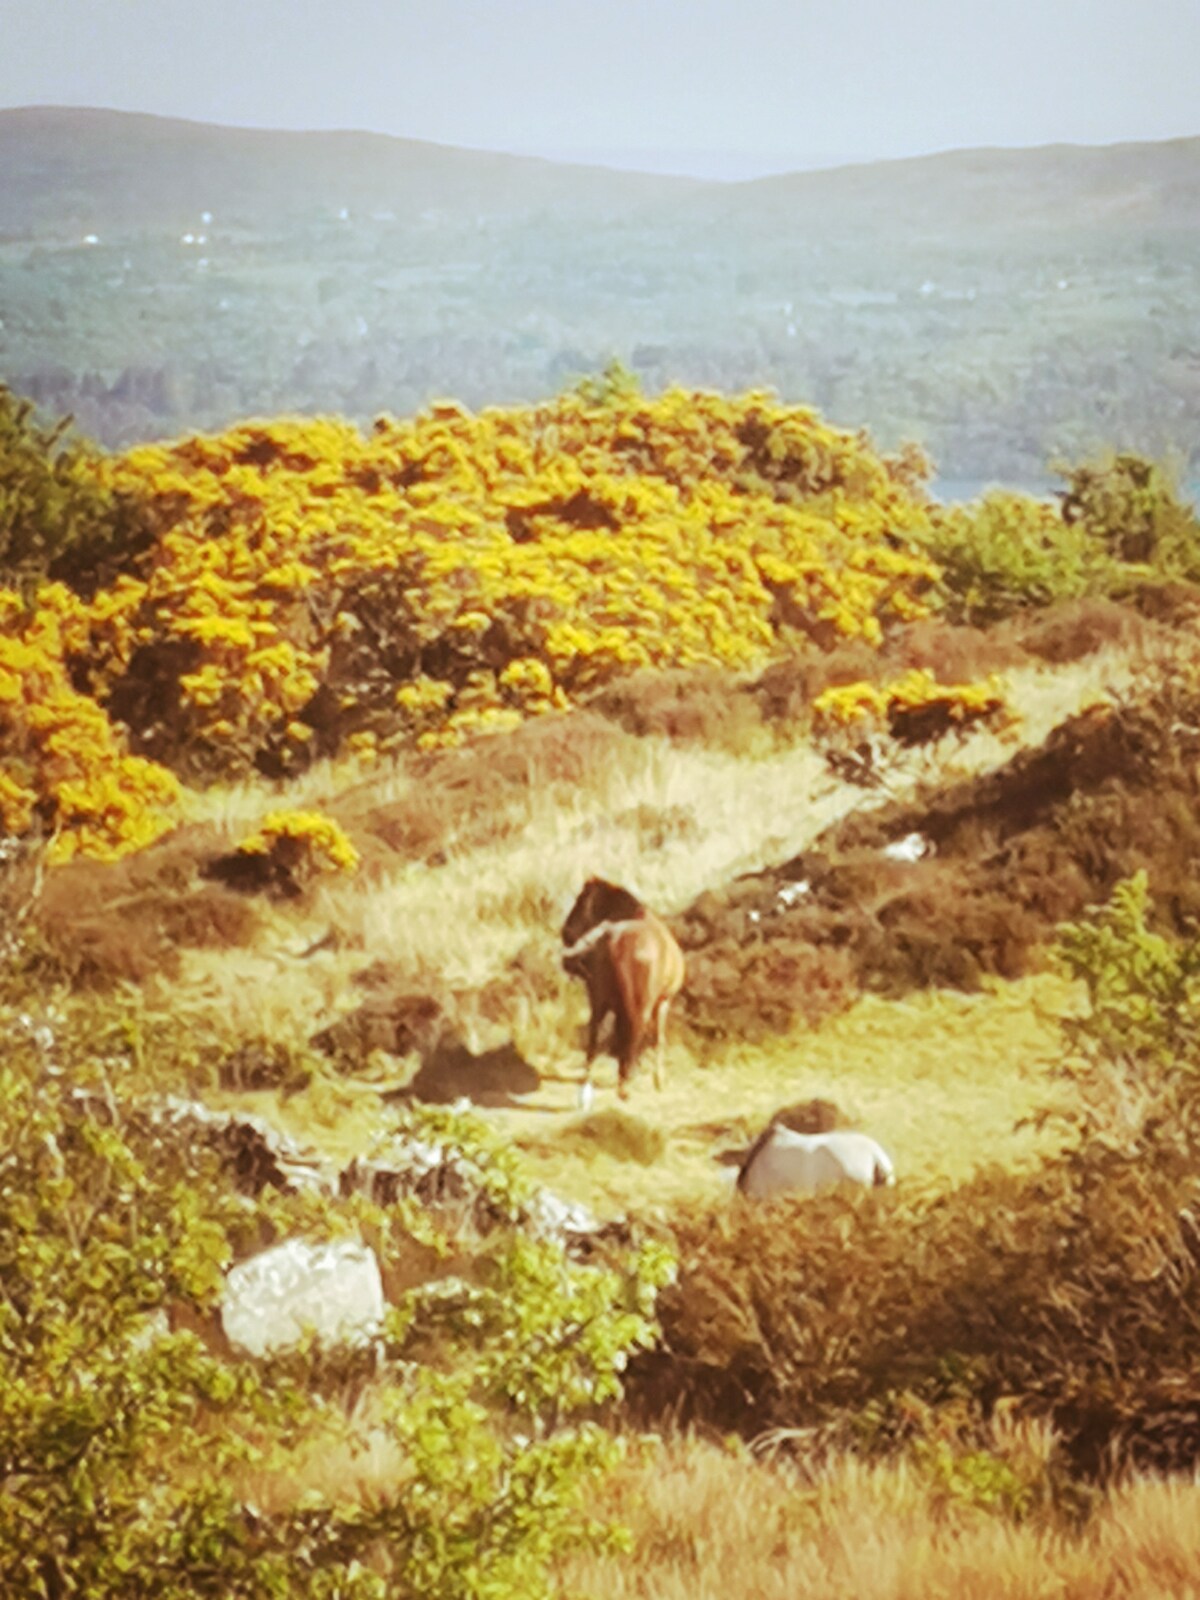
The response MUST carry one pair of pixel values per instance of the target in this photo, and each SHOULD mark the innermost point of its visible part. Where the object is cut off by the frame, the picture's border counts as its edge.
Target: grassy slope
(939, 1078)
(709, 1525)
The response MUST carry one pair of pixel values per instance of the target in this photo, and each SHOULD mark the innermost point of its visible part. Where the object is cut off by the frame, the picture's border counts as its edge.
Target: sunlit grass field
(947, 1081)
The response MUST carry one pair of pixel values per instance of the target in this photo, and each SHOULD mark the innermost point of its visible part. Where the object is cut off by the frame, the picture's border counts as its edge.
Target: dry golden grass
(465, 915)
(941, 1079)
(711, 1522)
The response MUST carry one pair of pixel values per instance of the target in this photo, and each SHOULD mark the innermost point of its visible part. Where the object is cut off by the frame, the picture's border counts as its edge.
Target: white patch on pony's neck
(594, 935)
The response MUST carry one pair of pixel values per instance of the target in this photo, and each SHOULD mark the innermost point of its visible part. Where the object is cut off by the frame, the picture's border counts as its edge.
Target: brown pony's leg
(600, 1001)
(660, 1042)
(630, 1050)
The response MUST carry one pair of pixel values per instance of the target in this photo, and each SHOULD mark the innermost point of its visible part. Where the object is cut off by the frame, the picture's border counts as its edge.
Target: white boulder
(272, 1300)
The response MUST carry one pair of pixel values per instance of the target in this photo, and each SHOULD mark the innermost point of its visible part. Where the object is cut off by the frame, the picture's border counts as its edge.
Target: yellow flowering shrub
(63, 765)
(914, 708)
(302, 838)
(454, 573)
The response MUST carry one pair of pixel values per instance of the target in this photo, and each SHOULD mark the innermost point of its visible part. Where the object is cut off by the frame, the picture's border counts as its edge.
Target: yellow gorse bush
(317, 839)
(63, 764)
(305, 590)
(457, 572)
(915, 705)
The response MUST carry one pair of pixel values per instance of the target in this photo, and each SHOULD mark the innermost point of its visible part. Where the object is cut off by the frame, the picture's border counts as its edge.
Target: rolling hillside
(70, 170)
(1001, 307)
(308, 738)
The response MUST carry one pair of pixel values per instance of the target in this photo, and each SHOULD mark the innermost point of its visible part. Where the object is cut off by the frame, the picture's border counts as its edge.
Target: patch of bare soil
(127, 921)
(961, 882)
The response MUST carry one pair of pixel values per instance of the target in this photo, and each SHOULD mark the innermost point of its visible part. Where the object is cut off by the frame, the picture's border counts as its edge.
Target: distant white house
(91, 238)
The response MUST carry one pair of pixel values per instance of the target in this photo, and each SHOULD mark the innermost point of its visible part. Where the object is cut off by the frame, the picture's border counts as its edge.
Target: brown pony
(633, 968)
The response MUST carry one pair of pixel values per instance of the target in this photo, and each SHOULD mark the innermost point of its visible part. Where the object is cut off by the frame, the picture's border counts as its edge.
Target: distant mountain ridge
(65, 168)
(1004, 308)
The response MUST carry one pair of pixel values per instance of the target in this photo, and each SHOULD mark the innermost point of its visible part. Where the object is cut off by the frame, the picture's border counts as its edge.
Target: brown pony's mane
(600, 901)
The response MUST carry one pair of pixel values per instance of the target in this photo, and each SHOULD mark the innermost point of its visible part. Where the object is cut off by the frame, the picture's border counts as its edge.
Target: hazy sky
(720, 87)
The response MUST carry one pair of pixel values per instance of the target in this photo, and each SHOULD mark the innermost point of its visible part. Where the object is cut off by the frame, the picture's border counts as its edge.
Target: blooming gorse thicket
(311, 590)
(62, 762)
(455, 571)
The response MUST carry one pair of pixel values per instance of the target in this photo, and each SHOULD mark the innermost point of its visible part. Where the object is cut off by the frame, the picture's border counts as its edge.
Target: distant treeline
(984, 304)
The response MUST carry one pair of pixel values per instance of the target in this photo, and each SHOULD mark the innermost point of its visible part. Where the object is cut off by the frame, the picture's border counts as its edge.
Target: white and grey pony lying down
(780, 1161)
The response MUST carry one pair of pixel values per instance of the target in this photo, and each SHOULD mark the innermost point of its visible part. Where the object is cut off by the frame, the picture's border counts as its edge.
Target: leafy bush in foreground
(123, 1445)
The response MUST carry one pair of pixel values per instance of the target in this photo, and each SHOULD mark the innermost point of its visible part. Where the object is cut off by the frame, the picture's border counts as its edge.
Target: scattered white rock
(275, 1299)
(913, 847)
(549, 1217)
(790, 894)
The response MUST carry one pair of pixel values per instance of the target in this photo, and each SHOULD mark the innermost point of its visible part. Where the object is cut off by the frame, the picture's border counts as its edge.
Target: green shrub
(1119, 523)
(122, 1445)
(1007, 551)
(55, 517)
(1143, 987)
(1130, 507)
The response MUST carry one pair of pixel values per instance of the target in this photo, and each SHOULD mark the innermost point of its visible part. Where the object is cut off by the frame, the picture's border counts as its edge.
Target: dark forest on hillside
(1002, 308)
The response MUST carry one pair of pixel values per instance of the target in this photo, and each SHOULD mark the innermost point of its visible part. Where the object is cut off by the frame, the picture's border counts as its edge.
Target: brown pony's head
(599, 901)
